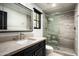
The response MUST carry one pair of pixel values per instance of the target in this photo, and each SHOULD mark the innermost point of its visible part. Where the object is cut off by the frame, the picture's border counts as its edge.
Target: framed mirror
(15, 17)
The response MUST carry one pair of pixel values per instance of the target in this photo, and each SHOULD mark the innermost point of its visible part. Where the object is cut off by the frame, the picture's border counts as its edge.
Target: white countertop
(11, 47)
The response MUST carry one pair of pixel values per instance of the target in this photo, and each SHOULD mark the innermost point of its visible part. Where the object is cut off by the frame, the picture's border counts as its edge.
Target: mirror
(15, 17)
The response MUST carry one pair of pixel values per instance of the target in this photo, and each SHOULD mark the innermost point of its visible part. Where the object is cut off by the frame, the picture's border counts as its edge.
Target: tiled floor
(52, 53)
(61, 52)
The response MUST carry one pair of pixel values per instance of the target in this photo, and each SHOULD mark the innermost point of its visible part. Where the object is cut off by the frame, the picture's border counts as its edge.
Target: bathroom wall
(45, 25)
(66, 30)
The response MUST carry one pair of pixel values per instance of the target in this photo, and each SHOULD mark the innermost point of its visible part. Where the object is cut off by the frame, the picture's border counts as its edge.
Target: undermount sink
(25, 41)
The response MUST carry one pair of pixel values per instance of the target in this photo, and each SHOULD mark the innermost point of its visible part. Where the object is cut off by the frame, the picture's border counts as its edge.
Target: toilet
(49, 49)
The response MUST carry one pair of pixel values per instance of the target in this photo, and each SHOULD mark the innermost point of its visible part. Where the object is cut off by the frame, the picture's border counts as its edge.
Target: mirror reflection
(15, 17)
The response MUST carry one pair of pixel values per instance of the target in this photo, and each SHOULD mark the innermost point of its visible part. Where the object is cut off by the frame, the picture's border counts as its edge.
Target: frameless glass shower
(52, 31)
(59, 30)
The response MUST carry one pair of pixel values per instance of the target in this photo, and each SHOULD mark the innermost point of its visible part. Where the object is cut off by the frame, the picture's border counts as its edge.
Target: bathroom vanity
(38, 49)
(34, 46)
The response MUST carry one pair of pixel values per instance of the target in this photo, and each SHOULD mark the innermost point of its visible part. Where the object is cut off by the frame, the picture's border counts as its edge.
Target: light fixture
(53, 4)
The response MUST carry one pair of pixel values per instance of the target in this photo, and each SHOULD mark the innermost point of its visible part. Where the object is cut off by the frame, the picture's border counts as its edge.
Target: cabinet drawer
(39, 52)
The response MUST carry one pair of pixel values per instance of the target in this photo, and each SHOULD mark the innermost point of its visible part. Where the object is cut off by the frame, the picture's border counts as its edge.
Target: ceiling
(60, 7)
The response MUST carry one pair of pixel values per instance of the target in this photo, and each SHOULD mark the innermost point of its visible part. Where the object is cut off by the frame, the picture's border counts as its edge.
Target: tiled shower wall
(67, 30)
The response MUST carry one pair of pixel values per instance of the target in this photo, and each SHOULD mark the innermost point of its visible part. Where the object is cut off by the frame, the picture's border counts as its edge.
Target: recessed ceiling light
(54, 5)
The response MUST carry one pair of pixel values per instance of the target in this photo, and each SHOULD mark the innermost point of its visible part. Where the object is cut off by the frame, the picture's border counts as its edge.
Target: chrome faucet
(21, 35)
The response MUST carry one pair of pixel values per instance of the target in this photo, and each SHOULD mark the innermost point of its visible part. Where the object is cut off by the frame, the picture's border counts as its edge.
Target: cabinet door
(40, 52)
(29, 54)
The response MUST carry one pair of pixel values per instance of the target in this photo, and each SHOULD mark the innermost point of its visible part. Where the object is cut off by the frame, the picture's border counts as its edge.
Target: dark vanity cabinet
(37, 49)
(3, 20)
